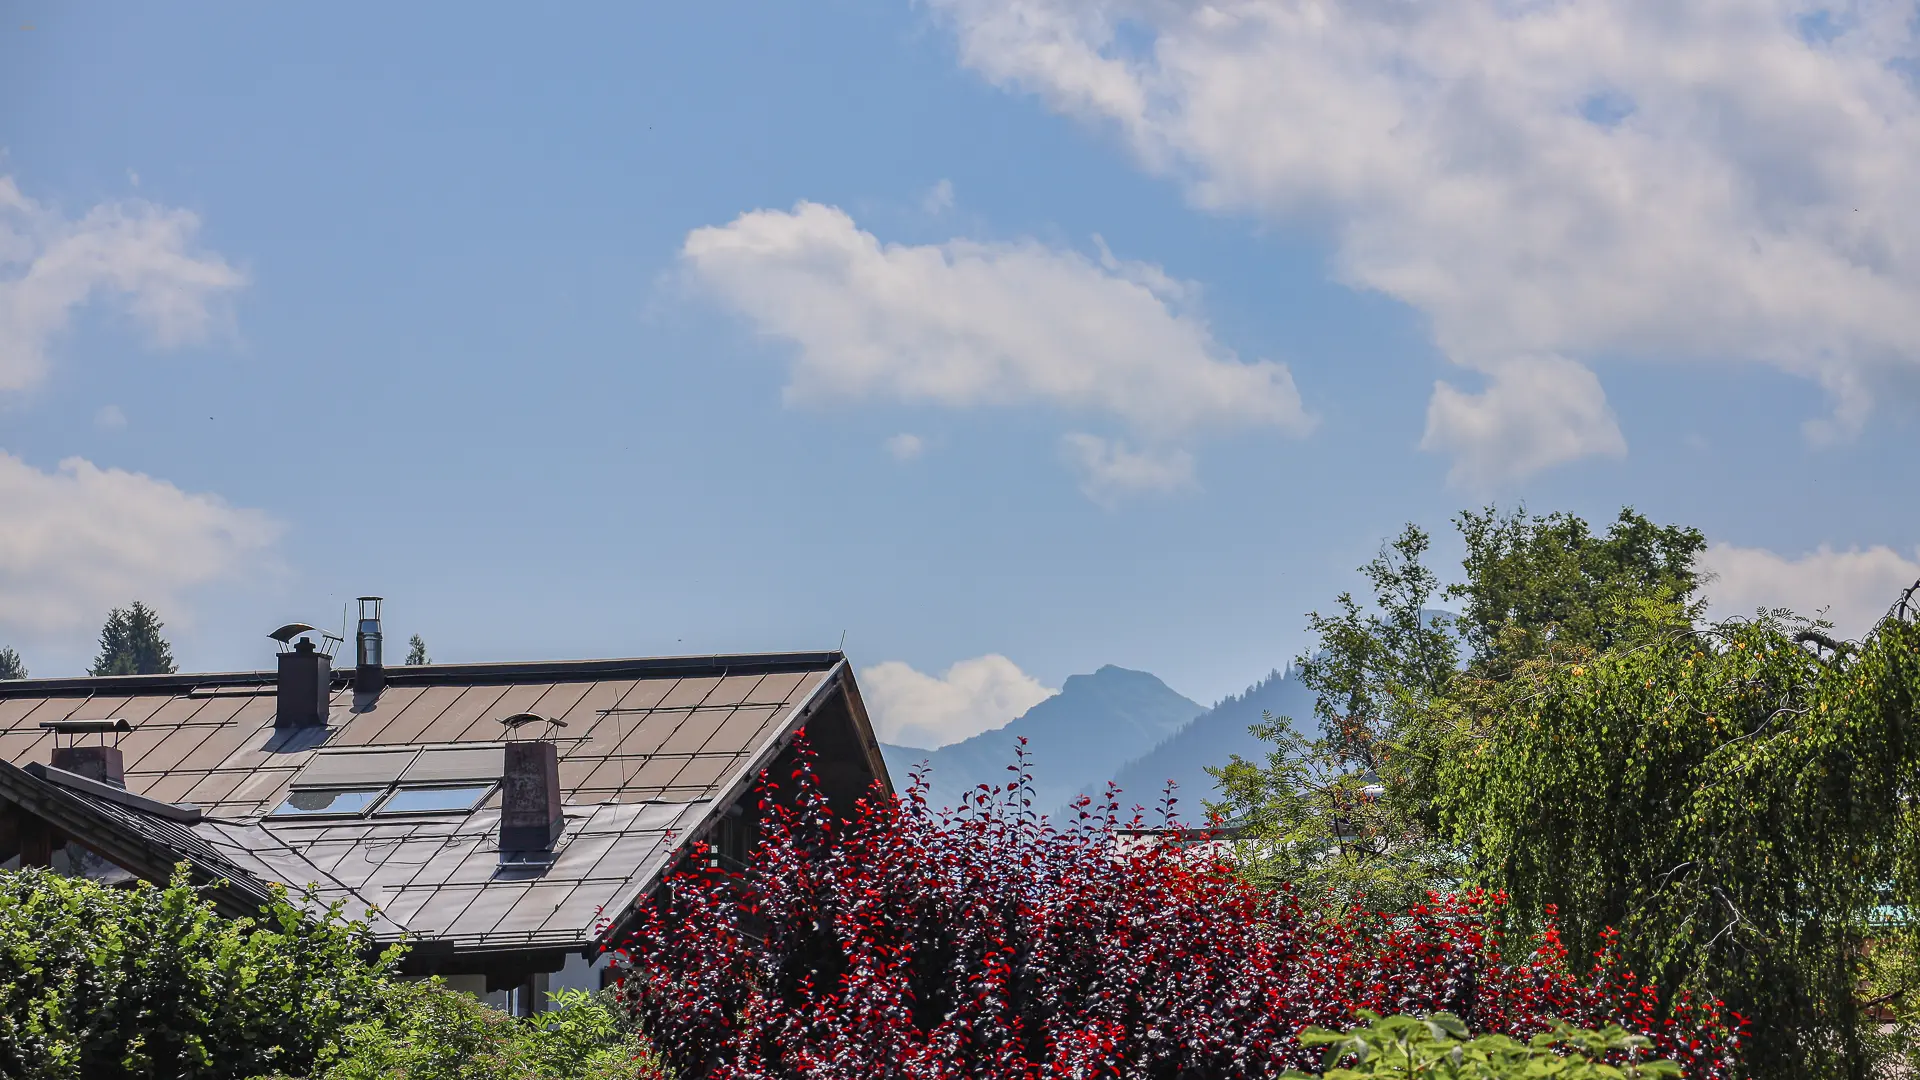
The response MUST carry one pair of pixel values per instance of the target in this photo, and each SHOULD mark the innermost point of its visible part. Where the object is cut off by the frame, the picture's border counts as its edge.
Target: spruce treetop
(130, 644)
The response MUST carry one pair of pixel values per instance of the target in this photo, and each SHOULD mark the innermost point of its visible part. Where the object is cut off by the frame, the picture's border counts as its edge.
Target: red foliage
(990, 944)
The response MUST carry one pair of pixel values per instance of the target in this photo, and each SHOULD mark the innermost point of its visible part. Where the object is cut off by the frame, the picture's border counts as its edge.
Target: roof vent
(369, 671)
(306, 677)
(99, 761)
(530, 817)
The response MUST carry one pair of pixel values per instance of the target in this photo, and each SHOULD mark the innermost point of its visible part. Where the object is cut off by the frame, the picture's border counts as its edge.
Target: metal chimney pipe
(369, 671)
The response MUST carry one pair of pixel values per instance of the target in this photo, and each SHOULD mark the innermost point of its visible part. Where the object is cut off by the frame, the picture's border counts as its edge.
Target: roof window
(316, 802)
(434, 800)
(390, 780)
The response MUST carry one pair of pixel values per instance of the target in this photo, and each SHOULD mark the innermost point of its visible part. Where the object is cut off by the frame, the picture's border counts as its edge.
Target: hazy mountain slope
(1212, 738)
(1078, 737)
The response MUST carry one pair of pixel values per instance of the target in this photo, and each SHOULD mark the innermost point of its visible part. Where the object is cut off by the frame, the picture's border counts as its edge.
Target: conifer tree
(417, 651)
(11, 666)
(130, 644)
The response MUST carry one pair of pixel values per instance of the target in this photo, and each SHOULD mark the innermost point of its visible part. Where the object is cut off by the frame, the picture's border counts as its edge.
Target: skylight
(392, 780)
(434, 800)
(310, 802)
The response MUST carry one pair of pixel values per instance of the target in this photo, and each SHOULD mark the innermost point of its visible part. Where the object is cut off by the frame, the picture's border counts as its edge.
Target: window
(303, 803)
(434, 800)
(446, 764)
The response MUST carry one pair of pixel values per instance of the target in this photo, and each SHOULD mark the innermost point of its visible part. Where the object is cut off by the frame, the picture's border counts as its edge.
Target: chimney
(369, 673)
(530, 797)
(530, 818)
(102, 762)
(306, 682)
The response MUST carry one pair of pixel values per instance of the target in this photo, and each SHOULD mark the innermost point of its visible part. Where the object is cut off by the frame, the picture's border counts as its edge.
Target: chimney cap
(286, 634)
(522, 719)
(118, 725)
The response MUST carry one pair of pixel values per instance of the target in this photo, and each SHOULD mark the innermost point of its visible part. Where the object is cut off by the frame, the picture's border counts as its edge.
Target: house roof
(650, 751)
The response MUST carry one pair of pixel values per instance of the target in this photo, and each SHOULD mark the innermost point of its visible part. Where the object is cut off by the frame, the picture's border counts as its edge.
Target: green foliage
(427, 1032)
(11, 666)
(99, 983)
(130, 644)
(1891, 1005)
(1439, 1048)
(1738, 801)
(417, 651)
(1539, 586)
(1739, 804)
(1333, 832)
(1348, 814)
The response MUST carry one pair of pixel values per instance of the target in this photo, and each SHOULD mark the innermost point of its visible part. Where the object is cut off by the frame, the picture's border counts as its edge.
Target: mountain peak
(1079, 736)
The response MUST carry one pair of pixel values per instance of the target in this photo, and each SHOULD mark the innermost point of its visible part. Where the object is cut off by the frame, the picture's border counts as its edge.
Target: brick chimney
(306, 684)
(100, 761)
(530, 817)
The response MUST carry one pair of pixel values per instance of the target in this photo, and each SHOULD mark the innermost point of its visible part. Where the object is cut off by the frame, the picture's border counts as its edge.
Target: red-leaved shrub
(989, 944)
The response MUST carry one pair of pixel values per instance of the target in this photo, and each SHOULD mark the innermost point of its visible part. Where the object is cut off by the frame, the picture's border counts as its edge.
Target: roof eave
(139, 855)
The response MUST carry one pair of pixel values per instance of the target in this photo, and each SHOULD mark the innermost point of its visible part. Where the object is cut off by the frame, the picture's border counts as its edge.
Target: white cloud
(1534, 413)
(1854, 587)
(906, 446)
(136, 253)
(79, 540)
(1109, 470)
(1720, 179)
(939, 198)
(967, 323)
(110, 418)
(910, 708)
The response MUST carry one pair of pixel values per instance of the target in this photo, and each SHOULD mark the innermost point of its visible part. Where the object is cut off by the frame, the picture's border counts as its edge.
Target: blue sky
(1070, 333)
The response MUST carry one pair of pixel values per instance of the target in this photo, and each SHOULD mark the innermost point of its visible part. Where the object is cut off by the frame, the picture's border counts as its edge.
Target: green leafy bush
(427, 1032)
(101, 983)
(1438, 1048)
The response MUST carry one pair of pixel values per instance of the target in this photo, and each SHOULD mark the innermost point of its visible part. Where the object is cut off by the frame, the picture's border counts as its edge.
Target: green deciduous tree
(11, 666)
(427, 1032)
(1353, 811)
(130, 644)
(1347, 814)
(105, 983)
(1548, 586)
(1739, 802)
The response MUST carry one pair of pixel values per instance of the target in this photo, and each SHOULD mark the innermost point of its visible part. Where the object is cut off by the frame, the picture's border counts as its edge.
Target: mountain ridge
(1211, 738)
(1078, 737)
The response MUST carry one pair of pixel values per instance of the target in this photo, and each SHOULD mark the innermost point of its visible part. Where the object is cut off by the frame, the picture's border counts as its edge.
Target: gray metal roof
(651, 749)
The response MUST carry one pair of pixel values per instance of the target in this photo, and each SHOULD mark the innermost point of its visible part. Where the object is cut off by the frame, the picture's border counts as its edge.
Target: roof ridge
(436, 674)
